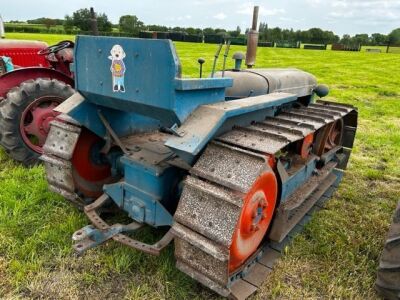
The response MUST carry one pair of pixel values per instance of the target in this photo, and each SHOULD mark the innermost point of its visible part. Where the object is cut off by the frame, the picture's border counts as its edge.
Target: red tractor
(34, 79)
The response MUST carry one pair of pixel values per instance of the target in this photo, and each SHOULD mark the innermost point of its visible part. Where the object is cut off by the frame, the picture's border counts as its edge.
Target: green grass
(335, 257)
(51, 39)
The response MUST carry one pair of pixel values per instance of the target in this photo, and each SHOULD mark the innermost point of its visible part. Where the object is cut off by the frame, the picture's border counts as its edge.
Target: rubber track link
(211, 201)
(58, 151)
(388, 279)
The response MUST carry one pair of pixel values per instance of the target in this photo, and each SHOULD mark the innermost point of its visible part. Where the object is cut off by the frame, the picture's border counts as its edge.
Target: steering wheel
(55, 48)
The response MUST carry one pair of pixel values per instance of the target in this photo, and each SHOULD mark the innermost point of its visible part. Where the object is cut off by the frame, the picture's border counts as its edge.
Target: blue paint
(8, 62)
(140, 90)
(202, 127)
(144, 192)
(123, 123)
(298, 179)
(152, 79)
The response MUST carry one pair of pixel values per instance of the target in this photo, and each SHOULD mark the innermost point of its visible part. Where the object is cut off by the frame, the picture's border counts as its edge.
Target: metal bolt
(254, 227)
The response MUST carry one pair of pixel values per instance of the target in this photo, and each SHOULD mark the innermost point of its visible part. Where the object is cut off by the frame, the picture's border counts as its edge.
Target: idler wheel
(329, 137)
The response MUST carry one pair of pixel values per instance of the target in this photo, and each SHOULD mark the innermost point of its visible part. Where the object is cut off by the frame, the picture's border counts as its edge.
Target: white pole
(2, 31)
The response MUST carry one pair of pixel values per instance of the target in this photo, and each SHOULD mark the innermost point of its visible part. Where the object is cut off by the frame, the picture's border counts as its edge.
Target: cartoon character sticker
(118, 68)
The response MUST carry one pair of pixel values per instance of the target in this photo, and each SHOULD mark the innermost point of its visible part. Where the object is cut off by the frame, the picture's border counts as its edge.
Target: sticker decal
(117, 68)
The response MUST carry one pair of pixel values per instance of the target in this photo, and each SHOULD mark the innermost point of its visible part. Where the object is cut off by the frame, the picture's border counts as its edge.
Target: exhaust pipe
(252, 41)
(93, 22)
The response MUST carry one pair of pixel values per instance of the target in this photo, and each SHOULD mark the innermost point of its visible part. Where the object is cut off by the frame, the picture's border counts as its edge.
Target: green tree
(49, 22)
(379, 39)
(130, 24)
(68, 23)
(208, 30)
(103, 23)
(346, 39)
(44, 20)
(190, 30)
(316, 36)
(157, 28)
(235, 33)
(81, 19)
(275, 34)
(394, 37)
(361, 39)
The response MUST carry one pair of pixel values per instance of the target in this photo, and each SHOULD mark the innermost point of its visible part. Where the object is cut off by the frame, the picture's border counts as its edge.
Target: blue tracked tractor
(233, 164)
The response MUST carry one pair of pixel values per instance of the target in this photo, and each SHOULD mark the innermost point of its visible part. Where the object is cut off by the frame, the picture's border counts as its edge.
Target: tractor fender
(16, 77)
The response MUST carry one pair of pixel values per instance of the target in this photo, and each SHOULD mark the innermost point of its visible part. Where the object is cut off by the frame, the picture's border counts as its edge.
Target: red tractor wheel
(26, 114)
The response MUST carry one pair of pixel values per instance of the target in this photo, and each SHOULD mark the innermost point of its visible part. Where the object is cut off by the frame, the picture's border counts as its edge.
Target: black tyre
(388, 281)
(25, 116)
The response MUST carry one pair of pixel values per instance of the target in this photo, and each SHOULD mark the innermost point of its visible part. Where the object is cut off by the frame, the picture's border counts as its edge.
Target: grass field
(335, 257)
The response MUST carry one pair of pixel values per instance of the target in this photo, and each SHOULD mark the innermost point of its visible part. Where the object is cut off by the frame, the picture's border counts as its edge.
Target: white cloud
(247, 9)
(366, 12)
(313, 2)
(220, 16)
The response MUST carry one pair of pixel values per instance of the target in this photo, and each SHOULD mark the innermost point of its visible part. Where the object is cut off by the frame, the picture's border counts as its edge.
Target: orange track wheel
(306, 145)
(89, 172)
(258, 208)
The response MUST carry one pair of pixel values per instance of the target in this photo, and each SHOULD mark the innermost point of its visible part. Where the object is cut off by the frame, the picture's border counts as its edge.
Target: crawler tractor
(233, 165)
(34, 79)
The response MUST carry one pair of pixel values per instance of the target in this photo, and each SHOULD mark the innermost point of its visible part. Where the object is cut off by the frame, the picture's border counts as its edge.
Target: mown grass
(335, 257)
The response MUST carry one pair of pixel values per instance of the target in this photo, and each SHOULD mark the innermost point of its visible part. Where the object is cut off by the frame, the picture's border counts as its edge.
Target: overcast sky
(340, 16)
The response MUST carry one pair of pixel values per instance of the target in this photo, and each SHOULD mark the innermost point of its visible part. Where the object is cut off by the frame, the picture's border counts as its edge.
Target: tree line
(131, 24)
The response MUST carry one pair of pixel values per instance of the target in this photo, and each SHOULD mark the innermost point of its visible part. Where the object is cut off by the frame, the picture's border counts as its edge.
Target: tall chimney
(252, 41)
(93, 22)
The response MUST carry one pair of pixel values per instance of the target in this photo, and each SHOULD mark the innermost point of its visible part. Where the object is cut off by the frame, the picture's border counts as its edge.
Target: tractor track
(213, 194)
(57, 154)
(211, 200)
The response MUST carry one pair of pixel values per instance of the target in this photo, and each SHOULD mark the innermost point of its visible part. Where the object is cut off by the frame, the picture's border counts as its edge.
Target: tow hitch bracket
(93, 235)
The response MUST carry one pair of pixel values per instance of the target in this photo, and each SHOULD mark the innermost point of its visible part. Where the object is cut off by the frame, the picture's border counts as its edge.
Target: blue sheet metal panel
(141, 207)
(148, 67)
(140, 75)
(143, 192)
(203, 83)
(298, 179)
(339, 176)
(123, 123)
(186, 105)
(206, 120)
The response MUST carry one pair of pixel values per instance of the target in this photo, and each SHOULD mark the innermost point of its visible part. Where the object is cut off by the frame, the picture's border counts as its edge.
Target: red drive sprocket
(90, 170)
